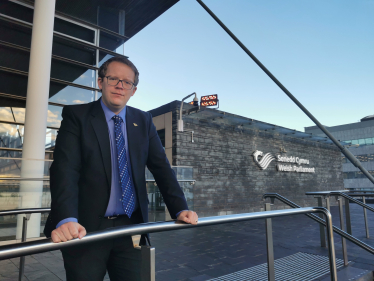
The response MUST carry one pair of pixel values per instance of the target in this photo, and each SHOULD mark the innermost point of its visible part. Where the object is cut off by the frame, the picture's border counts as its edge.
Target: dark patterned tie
(128, 200)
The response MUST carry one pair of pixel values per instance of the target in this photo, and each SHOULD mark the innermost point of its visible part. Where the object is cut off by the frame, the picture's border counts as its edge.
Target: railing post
(365, 218)
(344, 244)
(24, 235)
(269, 245)
(321, 227)
(331, 246)
(348, 216)
(148, 272)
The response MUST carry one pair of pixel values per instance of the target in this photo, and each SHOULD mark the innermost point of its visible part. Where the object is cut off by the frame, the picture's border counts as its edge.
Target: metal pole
(148, 272)
(365, 218)
(344, 150)
(330, 235)
(344, 244)
(22, 259)
(321, 227)
(348, 216)
(269, 245)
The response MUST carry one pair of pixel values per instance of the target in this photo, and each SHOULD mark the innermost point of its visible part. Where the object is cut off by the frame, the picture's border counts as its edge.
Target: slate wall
(228, 181)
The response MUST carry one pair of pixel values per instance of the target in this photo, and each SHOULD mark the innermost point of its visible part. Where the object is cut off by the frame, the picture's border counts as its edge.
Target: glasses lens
(112, 81)
(125, 84)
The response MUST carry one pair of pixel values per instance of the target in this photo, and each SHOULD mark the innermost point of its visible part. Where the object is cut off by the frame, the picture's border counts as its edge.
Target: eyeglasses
(113, 81)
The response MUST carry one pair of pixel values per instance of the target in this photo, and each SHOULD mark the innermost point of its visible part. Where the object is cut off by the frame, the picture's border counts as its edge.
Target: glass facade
(356, 175)
(78, 51)
(361, 158)
(366, 141)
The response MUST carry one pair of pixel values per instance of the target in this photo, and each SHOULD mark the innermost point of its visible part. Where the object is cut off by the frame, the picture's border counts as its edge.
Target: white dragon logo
(265, 160)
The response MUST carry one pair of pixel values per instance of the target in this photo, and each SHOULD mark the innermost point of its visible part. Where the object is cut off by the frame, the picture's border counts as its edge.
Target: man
(98, 177)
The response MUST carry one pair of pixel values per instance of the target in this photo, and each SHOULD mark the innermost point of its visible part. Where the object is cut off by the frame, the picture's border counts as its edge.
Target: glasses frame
(119, 80)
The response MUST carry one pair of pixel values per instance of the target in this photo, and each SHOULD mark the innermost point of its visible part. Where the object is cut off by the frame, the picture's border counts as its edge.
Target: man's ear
(133, 93)
(99, 82)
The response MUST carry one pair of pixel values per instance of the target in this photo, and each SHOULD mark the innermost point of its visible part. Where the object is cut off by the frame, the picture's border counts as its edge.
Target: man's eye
(127, 83)
(113, 79)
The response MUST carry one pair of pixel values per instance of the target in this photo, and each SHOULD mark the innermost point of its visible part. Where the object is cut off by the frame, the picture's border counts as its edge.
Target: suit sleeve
(65, 170)
(164, 175)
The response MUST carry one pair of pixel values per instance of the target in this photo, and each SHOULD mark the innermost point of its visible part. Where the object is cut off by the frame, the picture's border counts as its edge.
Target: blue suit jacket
(80, 175)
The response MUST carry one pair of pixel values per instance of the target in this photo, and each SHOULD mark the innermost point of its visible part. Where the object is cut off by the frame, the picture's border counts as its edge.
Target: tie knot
(117, 119)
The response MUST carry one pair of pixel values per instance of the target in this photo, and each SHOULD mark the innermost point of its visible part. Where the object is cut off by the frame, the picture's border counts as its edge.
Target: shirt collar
(109, 114)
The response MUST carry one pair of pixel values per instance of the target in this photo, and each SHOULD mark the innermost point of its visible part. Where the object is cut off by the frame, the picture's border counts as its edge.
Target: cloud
(53, 119)
(78, 101)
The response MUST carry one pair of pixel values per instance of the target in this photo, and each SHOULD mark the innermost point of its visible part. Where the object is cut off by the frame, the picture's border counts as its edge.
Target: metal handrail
(321, 221)
(33, 247)
(24, 211)
(342, 194)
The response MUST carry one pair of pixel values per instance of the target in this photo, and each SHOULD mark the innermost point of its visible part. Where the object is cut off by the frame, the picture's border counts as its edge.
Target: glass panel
(17, 11)
(6, 114)
(11, 136)
(14, 59)
(15, 34)
(54, 116)
(50, 139)
(74, 30)
(354, 141)
(369, 141)
(69, 95)
(15, 84)
(111, 42)
(12, 196)
(73, 73)
(73, 51)
(103, 57)
(361, 141)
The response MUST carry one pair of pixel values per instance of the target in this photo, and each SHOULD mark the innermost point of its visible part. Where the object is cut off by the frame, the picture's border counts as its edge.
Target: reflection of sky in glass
(73, 95)
(54, 116)
(104, 59)
(86, 79)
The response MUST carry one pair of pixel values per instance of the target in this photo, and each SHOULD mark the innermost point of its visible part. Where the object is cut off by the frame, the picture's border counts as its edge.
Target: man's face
(116, 97)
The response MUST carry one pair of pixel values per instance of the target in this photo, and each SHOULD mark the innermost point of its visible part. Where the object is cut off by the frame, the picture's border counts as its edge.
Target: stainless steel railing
(33, 247)
(348, 199)
(28, 213)
(337, 230)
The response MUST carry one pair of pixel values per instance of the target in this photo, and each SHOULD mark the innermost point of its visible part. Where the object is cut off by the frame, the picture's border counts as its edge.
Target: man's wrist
(65, 221)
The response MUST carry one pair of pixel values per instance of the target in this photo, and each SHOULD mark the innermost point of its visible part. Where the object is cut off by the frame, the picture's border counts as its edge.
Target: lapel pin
(135, 124)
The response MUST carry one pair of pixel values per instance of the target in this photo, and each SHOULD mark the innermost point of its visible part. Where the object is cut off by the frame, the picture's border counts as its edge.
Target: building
(359, 137)
(224, 151)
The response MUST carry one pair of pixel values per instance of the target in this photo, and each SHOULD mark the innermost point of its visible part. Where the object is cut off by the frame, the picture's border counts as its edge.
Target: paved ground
(202, 253)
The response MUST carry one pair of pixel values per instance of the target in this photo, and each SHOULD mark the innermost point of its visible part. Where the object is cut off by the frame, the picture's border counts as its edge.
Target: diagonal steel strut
(343, 150)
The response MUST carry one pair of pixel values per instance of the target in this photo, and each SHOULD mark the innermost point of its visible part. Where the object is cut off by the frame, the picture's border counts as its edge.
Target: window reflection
(69, 94)
(73, 73)
(54, 116)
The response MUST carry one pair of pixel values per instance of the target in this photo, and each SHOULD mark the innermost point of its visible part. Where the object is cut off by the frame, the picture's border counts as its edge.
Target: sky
(322, 51)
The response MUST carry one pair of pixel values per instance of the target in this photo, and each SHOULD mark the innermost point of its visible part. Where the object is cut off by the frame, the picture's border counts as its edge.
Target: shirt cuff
(179, 213)
(65, 221)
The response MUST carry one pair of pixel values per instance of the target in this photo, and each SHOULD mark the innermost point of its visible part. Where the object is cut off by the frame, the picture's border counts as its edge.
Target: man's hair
(103, 69)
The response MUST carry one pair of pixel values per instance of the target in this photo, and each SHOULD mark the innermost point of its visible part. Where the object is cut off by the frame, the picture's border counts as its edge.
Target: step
(351, 273)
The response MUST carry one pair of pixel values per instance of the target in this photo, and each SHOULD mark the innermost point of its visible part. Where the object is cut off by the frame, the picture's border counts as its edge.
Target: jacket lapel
(133, 142)
(101, 130)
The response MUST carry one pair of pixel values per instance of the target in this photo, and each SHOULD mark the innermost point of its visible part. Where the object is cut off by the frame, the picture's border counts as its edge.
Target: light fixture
(195, 103)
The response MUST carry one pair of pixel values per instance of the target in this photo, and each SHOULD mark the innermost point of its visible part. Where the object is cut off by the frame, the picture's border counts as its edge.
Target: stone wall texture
(228, 181)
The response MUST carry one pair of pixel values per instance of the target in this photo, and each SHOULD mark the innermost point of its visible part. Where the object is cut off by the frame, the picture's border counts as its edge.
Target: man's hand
(68, 231)
(188, 217)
